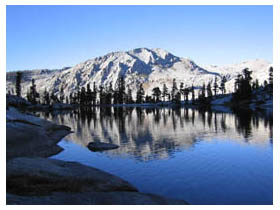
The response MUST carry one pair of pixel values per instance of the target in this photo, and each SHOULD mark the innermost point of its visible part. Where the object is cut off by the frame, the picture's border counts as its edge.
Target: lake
(201, 156)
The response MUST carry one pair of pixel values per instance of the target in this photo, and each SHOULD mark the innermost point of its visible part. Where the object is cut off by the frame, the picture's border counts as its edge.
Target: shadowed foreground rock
(30, 136)
(49, 181)
(94, 198)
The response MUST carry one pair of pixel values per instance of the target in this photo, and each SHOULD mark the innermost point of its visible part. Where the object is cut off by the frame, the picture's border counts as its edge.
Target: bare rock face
(48, 181)
(100, 146)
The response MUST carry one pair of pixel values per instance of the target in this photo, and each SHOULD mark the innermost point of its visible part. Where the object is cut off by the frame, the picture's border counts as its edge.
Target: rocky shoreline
(34, 179)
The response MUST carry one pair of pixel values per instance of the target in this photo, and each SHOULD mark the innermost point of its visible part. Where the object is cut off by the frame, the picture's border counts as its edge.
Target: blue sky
(58, 36)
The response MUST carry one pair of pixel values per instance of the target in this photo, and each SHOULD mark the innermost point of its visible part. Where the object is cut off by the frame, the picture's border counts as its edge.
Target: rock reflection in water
(148, 133)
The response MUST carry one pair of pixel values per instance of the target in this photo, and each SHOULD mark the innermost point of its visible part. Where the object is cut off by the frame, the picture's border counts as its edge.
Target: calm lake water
(203, 157)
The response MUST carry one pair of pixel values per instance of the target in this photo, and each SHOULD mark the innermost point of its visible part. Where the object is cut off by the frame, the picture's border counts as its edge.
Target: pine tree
(257, 84)
(46, 97)
(83, 97)
(270, 80)
(28, 96)
(94, 94)
(186, 92)
(53, 97)
(243, 88)
(181, 90)
(164, 92)
(174, 90)
(101, 94)
(129, 97)
(215, 86)
(193, 96)
(265, 84)
(88, 96)
(237, 83)
(108, 94)
(156, 94)
(203, 91)
(71, 99)
(33, 93)
(61, 93)
(18, 83)
(223, 87)
(209, 91)
(140, 94)
(120, 94)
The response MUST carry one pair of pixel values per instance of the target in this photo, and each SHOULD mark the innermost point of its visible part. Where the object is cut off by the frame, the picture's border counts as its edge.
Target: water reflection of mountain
(146, 133)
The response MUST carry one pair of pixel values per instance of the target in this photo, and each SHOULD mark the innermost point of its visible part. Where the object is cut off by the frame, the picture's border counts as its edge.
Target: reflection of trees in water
(153, 130)
(209, 119)
(223, 122)
(246, 119)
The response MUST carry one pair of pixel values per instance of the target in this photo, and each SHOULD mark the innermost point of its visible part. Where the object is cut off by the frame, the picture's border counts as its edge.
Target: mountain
(152, 67)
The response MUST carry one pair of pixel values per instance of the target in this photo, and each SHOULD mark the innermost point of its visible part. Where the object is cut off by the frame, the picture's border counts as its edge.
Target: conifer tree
(33, 93)
(203, 91)
(215, 86)
(88, 96)
(164, 92)
(156, 94)
(46, 97)
(94, 94)
(265, 84)
(257, 84)
(120, 95)
(140, 94)
(18, 83)
(270, 80)
(61, 97)
(174, 90)
(108, 94)
(186, 92)
(101, 94)
(83, 97)
(223, 87)
(129, 97)
(181, 89)
(243, 88)
(193, 96)
(209, 91)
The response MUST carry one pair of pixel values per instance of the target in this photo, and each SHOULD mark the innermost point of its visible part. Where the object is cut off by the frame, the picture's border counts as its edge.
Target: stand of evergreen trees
(120, 94)
(244, 87)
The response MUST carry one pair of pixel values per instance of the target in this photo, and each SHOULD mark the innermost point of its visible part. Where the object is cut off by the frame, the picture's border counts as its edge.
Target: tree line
(121, 94)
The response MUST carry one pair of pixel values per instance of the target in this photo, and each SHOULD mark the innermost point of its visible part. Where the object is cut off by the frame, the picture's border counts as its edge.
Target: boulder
(100, 146)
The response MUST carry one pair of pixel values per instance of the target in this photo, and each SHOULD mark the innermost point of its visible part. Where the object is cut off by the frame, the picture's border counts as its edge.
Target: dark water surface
(202, 157)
